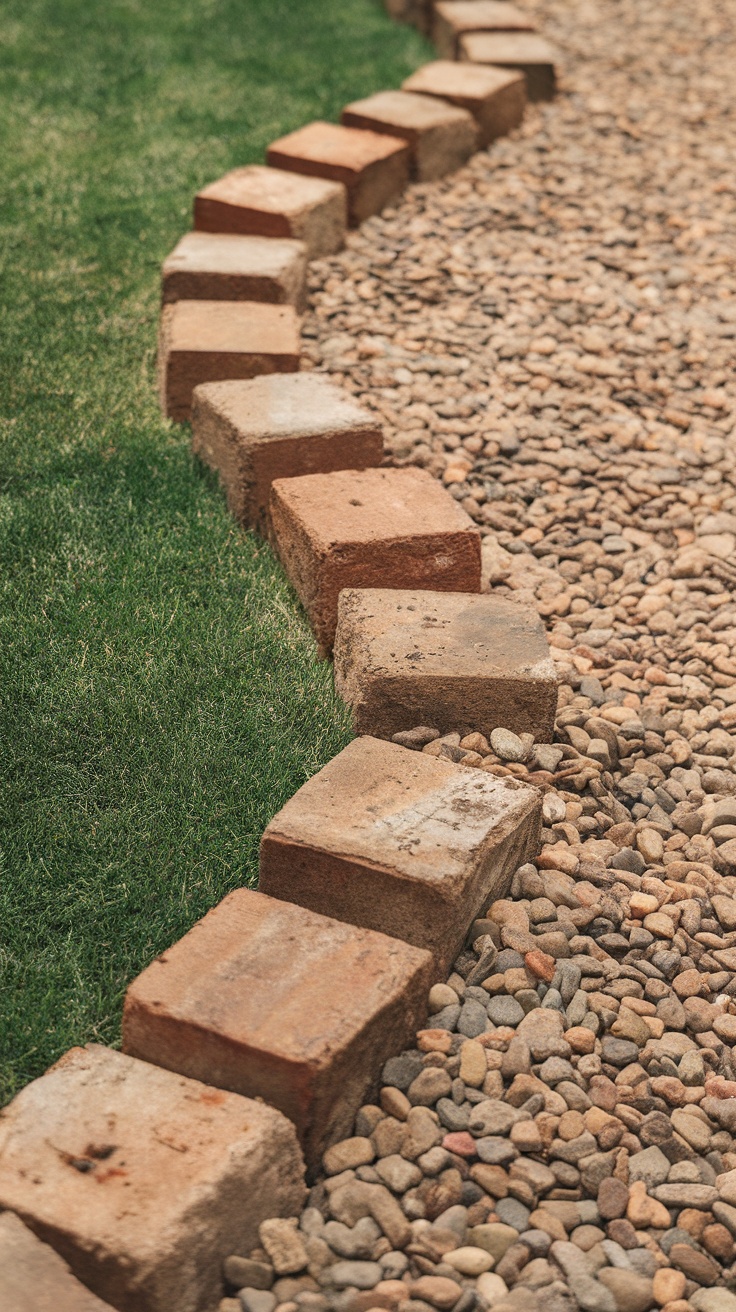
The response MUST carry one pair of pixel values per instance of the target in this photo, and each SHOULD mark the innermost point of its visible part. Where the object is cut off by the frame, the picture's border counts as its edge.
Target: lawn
(159, 691)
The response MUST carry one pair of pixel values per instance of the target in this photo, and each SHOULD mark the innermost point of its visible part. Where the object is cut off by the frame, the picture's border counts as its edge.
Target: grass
(159, 692)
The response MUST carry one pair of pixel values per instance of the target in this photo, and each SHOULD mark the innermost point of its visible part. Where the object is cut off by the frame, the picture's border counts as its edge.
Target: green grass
(159, 692)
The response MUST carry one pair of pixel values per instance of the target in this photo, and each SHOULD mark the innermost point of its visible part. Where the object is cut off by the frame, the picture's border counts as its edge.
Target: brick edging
(193, 1062)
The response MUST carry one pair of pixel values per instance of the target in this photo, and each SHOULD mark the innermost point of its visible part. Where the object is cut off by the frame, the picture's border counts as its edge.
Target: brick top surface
(270, 190)
(153, 1142)
(417, 816)
(33, 1278)
(286, 405)
(470, 15)
(461, 80)
(277, 977)
(228, 253)
(238, 326)
(347, 150)
(405, 109)
(370, 505)
(446, 633)
(509, 47)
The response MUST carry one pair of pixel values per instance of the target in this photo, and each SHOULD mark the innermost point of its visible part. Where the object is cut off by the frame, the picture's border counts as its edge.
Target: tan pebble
(645, 1211)
(668, 1285)
(659, 924)
(473, 1064)
(642, 904)
(394, 1103)
(581, 1039)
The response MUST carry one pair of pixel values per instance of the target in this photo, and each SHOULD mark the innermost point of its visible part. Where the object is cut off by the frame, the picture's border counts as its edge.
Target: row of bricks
(231, 298)
(144, 1174)
(138, 1171)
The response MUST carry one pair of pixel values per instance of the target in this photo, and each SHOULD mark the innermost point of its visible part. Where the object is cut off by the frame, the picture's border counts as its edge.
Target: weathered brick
(525, 51)
(278, 426)
(447, 659)
(209, 341)
(221, 266)
(401, 842)
(144, 1181)
(33, 1278)
(370, 528)
(373, 166)
(455, 18)
(441, 136)
(264, 202)
(277, 1002)
(496, 97)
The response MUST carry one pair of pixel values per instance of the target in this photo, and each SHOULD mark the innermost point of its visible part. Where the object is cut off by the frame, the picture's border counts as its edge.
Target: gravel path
(551, 332)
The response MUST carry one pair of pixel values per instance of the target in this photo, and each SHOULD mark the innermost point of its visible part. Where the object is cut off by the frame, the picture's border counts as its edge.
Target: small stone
(613, 1197)
(508, 746)
(668, 1285)
(348, 1154)
(431, 1084)
(493, 1289)
(469, 1261)
(644, 1211)
(696, 1266)
(473, 1064)
(632, 1292)
(284, 1245)
(359, 1275)
(257, 1300)
(439, 1291)
(398, 1173)
(440, 996)
(242, 1272)
(506, 1011)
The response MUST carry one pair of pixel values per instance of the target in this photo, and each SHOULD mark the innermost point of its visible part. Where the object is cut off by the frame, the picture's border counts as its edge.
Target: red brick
(221, 266)
(278, 426)
(401, 842)
(455, 18)
(446, 659)
(496, 97)
(373, 166)
(525, 51)
(33, 1278)
(276, 1002)
(209, 341)
(144, 1181)
(441, 136)
(264, 202)
(370, 528)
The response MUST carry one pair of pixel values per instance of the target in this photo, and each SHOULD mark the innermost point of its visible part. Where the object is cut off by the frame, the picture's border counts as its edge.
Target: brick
(277, 1002)
(144, 1181)
(454, 18)
(401, 842)
(209, 341)
(496, 97)
(221, 266)
(370, 528)
(278, 426)
(264, 202)
(441, 136)
(373, 166)
(525, 51)
(447, 659)
(33, 1278)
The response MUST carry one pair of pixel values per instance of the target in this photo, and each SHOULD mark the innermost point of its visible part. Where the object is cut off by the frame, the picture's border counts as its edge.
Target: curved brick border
(141, 1177)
